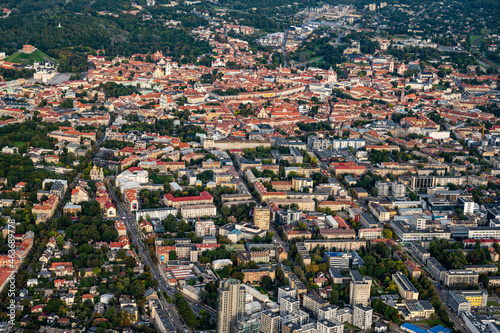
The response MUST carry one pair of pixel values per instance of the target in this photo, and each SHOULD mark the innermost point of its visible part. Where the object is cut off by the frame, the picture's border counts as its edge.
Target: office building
(262, 217)
(231, 305)
(405, 288)
(419, 221)
(477, 323)
(468, 204)
(458, 302)
(476, 298)
(360, 288)
(344, 260)
(269, 322)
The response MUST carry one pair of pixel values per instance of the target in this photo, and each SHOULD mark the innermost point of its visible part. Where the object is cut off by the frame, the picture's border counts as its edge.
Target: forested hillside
(85, 27)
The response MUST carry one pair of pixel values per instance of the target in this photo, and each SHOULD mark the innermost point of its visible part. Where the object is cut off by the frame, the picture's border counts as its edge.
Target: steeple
(332, 76)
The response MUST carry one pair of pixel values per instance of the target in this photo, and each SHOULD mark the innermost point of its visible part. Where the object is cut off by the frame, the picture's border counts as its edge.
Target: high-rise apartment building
(269, 322)
(231, 305)
(382, 188)
(262, 217)
(361, 286)
(288, 304)
(398, 190)
(362, 316)
(329, 326)
(328, 312)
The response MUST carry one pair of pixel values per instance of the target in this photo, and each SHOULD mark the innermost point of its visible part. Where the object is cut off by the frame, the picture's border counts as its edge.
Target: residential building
(262, 217)
(420, 252)
(300, 183)
(197, 211)
(204, 198)
(436, 268)
(288, 304)
(231, 305)
(413, 271)
(382, 188)
(460, 277)
(313, 302)
(360, 288)
(256, 274)
(131, 200)
(380, 212)
(362, 316)
(204, 228)
(286, 291)
(398, 190)
(329, 326)
(269, 322)
(370, 233)
(328, 312)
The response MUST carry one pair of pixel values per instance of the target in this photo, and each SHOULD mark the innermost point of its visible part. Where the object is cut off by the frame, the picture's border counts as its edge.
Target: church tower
(332, 76)
(168, 69)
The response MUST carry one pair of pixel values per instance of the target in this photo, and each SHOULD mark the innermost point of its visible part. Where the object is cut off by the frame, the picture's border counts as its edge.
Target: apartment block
(269, 322)
(362, 316)
(360, 288)
(313, 302)
(460, 277)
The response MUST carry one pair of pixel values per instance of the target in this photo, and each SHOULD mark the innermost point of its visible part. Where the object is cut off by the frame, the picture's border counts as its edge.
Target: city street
(136, 237)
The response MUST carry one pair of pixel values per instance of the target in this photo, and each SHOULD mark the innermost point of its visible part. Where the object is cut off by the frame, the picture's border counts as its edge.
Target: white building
(328, 312)
(195, 211)
(286, 291)
(362, 316)
(132, 178)
(221, 263)
(205, 228)
(329, 326)
(288, 305)
(398, 190)
(418, 221)
(269, 322)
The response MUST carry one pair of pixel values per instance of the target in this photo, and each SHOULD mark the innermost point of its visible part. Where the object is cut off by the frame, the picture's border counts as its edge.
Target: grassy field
(473, 40)
(23, 58)
(493, 303)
